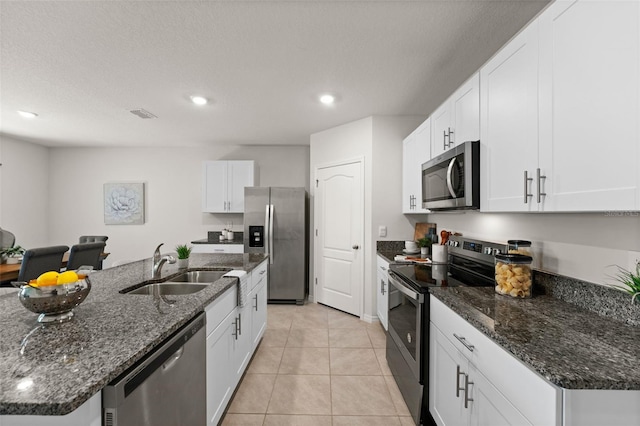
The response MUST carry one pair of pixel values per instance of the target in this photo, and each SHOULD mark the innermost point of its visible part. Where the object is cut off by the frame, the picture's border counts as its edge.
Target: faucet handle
(170, 259)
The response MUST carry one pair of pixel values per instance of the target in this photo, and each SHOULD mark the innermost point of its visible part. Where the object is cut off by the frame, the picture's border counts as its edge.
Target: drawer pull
(464, 342)
(458, 374)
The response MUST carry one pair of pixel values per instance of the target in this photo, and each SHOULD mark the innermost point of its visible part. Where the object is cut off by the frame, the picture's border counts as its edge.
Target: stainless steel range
(470, 264)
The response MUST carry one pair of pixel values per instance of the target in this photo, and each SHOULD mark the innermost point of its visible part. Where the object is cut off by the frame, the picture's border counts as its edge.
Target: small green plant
(183, 251)
(630, 281)
(424, 242)
(12, 251)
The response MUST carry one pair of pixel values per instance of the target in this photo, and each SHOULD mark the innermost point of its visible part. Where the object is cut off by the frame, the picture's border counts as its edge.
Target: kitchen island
(52, 370)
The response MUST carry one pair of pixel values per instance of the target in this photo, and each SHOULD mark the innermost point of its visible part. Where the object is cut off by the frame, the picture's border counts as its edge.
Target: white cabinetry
(457, 120)
(415, 150)
(382, 291)
(509, 125)
(473, 381)
(564, 87)
(233, 333)
(223, 184)
(589, 100)
(217, 248)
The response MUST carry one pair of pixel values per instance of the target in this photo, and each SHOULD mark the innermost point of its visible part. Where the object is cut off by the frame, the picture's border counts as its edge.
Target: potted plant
(183, 255)
(424, 243)
(13, 254)
(630, 281)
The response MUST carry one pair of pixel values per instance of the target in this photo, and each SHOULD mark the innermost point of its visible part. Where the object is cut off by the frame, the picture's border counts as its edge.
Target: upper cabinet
(457, 120)
(563, 87)
(415, 150)
(223, 184)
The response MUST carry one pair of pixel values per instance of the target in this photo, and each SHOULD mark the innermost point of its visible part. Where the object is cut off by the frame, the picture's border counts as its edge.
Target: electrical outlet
(382, 231)
(634, 258)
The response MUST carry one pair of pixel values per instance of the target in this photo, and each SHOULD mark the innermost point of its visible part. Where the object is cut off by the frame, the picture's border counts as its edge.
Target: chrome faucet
(158, 261)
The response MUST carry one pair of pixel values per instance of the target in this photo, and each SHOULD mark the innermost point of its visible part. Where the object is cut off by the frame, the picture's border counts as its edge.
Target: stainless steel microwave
(451, 181)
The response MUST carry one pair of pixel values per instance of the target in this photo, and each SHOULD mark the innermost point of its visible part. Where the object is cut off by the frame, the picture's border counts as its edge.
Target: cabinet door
(214, 186)
(488, 406)
(465, 108)
(441, 122)
(221, 374)
(258, 312)
(240, 174)
(447, 367)
(590, 98)
(383, 301)
(509, 124)
(416, 150)
(242, 345)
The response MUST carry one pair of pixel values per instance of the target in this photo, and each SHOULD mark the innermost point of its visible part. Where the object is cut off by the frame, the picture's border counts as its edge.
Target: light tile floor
(318, 366)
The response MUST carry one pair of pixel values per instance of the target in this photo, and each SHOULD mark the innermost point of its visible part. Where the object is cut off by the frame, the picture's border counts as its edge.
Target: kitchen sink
(186, 283)
(169, 288)
(199, 277)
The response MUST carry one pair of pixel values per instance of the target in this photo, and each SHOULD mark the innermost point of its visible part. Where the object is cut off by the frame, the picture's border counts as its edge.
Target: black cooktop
(422, 276)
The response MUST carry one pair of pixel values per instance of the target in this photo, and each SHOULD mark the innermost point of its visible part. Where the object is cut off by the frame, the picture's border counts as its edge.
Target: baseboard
(370, 318)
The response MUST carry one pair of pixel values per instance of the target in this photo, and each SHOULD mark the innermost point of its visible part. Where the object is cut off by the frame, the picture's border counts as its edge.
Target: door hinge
(316, 183)
(316, 232)
(316, 280)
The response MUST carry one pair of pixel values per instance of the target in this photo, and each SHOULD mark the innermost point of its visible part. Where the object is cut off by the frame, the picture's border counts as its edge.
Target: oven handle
(402, 288)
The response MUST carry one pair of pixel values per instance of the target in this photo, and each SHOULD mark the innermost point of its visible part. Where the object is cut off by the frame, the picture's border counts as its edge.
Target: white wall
(378, 142)
(24, 191)
(75, 177)
(579, 245)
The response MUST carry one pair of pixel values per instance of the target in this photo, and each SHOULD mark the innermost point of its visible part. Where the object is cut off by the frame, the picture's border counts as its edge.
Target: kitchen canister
(519, 247)
(439, 253)
(513, 275)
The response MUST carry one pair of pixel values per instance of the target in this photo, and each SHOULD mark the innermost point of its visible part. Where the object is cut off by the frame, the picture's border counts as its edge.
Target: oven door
(405, 319)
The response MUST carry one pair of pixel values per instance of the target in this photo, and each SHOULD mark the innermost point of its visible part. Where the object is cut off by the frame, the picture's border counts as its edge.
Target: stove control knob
(496, 251)
(488, 250)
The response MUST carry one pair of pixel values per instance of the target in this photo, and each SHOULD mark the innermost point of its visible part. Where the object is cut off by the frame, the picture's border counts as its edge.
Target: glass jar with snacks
(513, 275)
(520, 247)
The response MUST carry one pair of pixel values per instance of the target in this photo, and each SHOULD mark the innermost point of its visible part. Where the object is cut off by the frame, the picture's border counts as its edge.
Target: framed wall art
(124, 203)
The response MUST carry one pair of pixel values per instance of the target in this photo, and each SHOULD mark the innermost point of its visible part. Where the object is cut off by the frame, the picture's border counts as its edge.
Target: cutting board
(422, 229)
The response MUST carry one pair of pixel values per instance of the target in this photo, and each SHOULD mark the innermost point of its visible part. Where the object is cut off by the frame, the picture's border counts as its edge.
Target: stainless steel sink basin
(170, 288)
(199, 277)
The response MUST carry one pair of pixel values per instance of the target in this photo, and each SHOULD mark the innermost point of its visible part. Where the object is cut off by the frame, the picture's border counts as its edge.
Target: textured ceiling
(83, 65)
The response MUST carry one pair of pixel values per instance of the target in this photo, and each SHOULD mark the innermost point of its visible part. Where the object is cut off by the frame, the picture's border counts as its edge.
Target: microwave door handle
(450, 177)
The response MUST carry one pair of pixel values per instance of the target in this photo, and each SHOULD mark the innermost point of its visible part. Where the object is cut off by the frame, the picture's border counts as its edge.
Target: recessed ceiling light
(327, 99)
(27, 114)
(199, 100)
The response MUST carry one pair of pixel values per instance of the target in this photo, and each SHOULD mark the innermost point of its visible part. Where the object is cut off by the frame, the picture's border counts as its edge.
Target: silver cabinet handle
(256, 299)
(382, 287)
(526, 187)
(451, 142)
(235, 329)
(464, 342)
(458, 374)
(539, 178)
(452, 163)
(467, 400)
(240, 324)
(444, 139)
(263, 272)
(383, 268)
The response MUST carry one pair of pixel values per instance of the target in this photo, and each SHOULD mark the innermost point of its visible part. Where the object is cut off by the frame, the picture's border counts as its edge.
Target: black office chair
(87, 254)
(39, 260)
(92, 238)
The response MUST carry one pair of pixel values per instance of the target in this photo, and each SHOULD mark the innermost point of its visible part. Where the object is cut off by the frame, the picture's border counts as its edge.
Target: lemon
(67, 277)
(48, 278)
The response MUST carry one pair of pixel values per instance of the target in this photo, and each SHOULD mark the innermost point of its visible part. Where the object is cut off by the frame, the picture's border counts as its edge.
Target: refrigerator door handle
(271, 213)
(267, 236)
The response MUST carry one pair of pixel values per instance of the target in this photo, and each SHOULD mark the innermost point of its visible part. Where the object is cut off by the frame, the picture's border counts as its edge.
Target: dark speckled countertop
(570, 346)
(69, 363)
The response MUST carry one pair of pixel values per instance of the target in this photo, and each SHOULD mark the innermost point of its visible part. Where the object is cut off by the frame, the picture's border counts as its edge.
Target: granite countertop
(568, 345)
(206, 241)
(63, 365)
(388, 255)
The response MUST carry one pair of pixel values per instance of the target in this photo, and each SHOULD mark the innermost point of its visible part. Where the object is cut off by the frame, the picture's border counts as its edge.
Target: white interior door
(339, 218)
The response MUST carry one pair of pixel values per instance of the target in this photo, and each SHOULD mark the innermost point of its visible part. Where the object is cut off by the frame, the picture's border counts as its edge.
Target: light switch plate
(382, 231)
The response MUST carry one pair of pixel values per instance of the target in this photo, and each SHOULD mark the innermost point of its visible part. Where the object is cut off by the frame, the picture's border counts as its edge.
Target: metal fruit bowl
(54, 303)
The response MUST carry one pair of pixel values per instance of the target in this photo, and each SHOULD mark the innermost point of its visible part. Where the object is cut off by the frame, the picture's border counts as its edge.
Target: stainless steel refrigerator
(276, 223)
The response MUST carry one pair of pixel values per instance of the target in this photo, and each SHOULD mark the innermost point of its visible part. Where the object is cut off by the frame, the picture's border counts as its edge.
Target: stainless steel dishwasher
(166, 388)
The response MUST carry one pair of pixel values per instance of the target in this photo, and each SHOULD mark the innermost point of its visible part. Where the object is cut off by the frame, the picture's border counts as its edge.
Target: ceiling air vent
(142, 113)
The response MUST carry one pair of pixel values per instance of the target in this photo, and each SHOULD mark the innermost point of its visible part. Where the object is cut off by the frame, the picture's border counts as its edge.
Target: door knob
(355, 247)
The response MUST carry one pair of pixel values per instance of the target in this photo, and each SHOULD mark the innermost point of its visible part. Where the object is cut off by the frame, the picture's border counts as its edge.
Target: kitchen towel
(242, 287)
